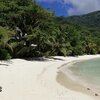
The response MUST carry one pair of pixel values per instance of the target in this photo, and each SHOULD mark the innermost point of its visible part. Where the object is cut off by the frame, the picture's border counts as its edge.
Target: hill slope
(88, 20)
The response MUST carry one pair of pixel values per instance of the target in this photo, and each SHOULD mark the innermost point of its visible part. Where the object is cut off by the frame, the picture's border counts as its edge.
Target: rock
(88, 88)
(0, 89)
(96, 94)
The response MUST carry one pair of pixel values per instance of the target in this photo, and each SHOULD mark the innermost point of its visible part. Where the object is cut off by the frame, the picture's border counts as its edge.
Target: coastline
(73, 85)
(68, 80)
(34, 79)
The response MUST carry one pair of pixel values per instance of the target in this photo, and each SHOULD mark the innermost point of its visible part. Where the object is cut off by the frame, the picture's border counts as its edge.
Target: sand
(37, 80)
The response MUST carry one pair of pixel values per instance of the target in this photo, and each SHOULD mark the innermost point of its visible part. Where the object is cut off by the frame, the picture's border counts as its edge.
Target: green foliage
(27, 30)
(3, 34)
(4, 55)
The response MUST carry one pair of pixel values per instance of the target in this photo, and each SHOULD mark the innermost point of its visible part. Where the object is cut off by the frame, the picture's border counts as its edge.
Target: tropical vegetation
(28, 30)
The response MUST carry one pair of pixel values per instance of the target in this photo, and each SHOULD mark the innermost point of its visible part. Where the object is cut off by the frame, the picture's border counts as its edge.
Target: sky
(70, 7)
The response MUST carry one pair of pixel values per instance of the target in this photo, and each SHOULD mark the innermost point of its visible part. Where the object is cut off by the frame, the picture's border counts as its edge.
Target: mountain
(90, 20)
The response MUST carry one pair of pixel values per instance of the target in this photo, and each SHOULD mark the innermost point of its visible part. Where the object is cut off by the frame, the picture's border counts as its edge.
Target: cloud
(82, 6)
(78, 7)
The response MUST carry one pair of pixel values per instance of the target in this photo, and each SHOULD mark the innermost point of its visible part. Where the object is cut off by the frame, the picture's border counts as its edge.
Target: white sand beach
(37, 80)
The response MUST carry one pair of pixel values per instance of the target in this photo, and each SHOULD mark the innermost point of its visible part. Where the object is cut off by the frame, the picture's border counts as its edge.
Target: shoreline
(68, 80)
(73, 85)
(37, 80)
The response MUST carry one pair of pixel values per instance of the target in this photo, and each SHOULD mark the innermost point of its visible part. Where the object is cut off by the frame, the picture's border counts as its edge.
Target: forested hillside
(28, 30)
(91, 20)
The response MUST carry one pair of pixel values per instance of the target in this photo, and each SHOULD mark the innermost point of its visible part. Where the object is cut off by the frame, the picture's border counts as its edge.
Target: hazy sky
(71, 7)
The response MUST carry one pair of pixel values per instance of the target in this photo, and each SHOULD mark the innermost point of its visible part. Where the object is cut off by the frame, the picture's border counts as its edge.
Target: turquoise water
(88, 70)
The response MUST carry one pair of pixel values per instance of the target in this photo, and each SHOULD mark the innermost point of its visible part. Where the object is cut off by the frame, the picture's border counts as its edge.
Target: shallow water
(88, 71)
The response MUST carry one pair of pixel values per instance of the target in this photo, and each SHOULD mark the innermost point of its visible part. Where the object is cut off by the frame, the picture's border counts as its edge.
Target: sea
(88, 71)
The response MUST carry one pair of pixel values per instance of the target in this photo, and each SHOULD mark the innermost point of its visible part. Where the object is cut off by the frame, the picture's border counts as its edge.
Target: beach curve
(29, 80)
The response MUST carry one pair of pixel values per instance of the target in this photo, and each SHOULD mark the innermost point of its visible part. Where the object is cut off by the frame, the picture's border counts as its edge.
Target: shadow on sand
(43, 59)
